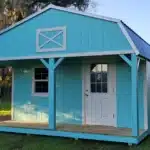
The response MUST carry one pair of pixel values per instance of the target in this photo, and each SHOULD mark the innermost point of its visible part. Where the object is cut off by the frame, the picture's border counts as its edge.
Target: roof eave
(126, 34)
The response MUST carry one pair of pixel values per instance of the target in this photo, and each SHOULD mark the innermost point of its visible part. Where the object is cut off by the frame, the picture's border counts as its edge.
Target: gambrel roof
(143, 48)
(139, 46)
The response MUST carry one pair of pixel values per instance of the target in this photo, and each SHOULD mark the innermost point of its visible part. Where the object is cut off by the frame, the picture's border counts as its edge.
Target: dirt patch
(4, 118)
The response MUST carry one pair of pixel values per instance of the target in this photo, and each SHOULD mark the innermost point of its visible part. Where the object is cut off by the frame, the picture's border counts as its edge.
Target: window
(51, 39)
(99, 81)
(40, 81)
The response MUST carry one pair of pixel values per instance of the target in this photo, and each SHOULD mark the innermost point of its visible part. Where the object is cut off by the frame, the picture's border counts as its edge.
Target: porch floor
(96, 129)
(22, 124)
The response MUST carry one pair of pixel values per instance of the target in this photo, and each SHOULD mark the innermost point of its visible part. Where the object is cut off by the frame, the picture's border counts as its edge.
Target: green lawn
(5, 105)
(30, 142)
(5, 108)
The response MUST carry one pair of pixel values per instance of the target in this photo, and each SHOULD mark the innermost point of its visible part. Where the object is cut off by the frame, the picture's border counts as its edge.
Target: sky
(135, 13)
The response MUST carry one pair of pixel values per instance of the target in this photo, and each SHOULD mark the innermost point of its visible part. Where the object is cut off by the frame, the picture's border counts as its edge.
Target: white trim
(51, 29)
(83, 99)
(83, 13)
(12, 96)
(40, 94)
(62, 30)
(32, 81)
(50, 50)
(128, 37)
(69, 55)
(138, 63)
(114, 90)
(33, 85)
(61, 9)
(83, 91)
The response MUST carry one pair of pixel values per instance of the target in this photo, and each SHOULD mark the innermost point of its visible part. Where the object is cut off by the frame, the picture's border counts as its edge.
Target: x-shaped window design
(51, 42)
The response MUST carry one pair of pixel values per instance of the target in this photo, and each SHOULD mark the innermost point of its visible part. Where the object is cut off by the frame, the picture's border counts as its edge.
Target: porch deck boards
(96, 129)
(24, 124)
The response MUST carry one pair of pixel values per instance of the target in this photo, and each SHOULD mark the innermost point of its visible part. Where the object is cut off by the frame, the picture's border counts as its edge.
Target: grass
(5, 112)
(31, 142)
(5, 108)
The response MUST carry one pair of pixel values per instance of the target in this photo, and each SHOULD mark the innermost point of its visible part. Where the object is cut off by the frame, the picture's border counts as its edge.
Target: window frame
(64, 41)
(101, 82)
(34, 93)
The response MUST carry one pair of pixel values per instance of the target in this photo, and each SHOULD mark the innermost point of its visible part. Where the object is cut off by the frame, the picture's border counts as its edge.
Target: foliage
(15, 10)
(80, 4)
(5, 77)
(5, 84)
(5, 107)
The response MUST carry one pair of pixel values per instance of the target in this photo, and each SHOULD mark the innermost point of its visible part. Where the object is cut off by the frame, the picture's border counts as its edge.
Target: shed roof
(139, 45)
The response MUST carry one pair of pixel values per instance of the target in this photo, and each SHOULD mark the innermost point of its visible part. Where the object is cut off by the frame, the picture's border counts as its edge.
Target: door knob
(86, 94)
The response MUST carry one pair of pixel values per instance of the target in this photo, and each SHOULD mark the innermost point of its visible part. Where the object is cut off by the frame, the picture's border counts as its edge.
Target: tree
(16, 10)
(80, 4)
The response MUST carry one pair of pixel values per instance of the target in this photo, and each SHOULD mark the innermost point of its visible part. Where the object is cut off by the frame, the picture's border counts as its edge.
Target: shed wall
(69, 93)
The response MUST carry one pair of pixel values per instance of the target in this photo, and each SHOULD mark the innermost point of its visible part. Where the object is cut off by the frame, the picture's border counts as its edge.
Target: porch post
(134, 100)
(51, 94)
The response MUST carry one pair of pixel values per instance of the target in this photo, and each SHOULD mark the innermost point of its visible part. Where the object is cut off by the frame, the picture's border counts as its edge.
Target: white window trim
(33, 84)
(51, 39)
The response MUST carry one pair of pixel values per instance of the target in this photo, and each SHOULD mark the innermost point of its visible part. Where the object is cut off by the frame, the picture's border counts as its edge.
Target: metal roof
(141, 45)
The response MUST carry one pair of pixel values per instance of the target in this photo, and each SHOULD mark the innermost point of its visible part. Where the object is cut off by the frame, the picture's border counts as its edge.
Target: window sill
(40, 94)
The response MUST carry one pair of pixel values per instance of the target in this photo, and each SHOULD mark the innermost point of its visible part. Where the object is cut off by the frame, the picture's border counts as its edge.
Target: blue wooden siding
(148, 93)
(69, 94)
(140, 91)
(123, 84)
(69, 98)
(23, 96)
(84, 34)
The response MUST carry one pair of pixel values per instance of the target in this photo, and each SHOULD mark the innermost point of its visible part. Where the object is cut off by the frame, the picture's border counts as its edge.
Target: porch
(123, 136)
(94, 129)
(73, 120)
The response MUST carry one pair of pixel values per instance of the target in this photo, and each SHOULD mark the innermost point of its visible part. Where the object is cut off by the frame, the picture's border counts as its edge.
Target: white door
(99, 94)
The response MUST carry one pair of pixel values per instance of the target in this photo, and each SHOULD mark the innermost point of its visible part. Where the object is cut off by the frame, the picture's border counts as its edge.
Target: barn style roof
(139, 45)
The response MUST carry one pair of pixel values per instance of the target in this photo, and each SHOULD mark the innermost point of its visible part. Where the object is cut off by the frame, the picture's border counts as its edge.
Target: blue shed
(77, 75)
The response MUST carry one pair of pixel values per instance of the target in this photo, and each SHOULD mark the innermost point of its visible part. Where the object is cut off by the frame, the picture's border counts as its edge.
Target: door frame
(83, 90)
